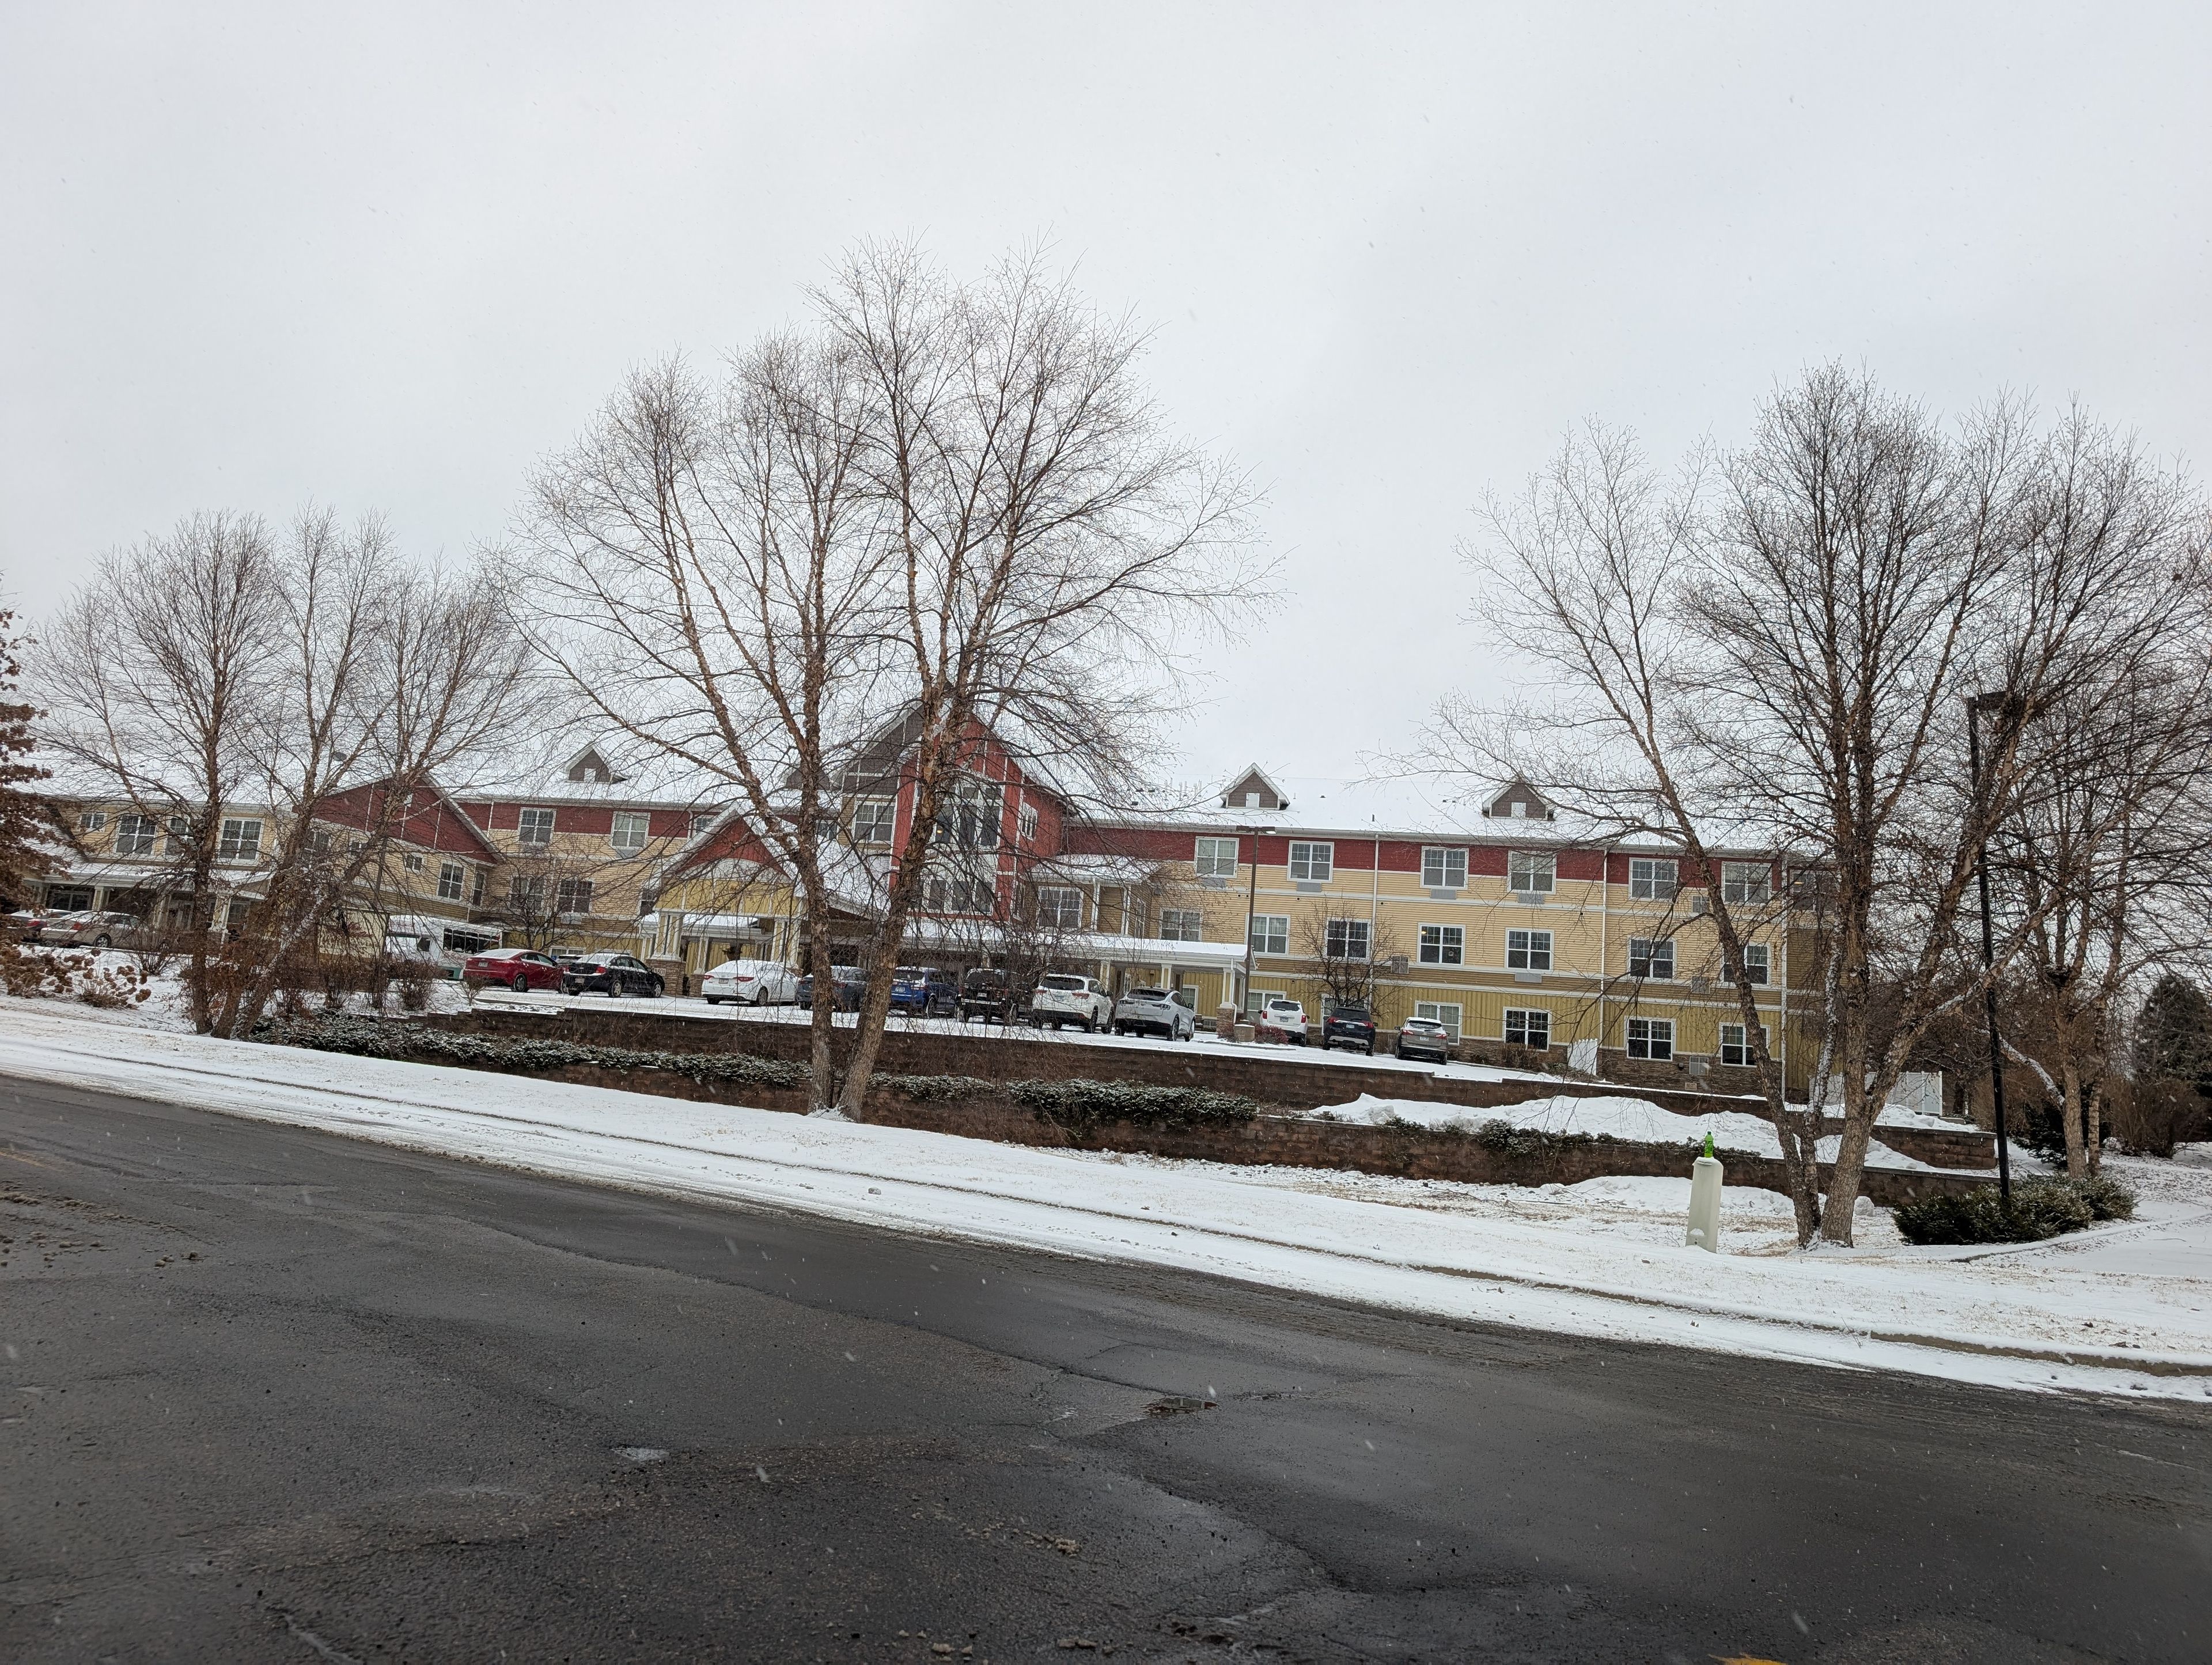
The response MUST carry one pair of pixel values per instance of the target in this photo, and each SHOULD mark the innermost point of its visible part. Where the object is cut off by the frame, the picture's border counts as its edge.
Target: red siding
(593, 820)
(670, 823)
(1581, 864)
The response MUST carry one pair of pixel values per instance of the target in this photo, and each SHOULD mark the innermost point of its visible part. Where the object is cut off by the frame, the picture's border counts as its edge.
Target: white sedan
(754, 983)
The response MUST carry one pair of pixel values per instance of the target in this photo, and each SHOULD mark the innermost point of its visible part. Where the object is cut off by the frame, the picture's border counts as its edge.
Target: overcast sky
(387, 255)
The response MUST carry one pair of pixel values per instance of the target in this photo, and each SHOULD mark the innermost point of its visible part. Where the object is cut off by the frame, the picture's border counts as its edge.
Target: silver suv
(1154, 1011)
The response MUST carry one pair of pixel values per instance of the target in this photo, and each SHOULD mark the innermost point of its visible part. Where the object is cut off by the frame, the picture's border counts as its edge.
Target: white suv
(1284, 1017)
(1062, 999)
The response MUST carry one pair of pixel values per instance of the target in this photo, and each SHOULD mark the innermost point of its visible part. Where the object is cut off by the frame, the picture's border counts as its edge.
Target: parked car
(89, 928)
(1424, 1037)
(518, 969)
(1282, 1018)
(1062, 999)
(751, 982)
(847, 986)
(23, 924)
(1154, 1011)
(1351, 1027)
(613, 976)
(924, 990)
(987, 994)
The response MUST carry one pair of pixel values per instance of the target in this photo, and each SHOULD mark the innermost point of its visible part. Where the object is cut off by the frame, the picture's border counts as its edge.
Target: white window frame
(1530, 949)
(1443, 866)
(1542, 1022)
(1758, 964)
(1448, 946)
(1735, 1038)
(533, 827)
(973, 815)
(1348, 939)
(134, 835)
(875, 820)
(1054, 903)
(1747, 883)
(525, 890)
(1271, 934)
(411, 860)
(1650, 1038)
(1447, 1012)
(91, 820)
(1026, 823)
(1312, 861)
(477, 887)
(573, 896)
(1660, 879)
(637, 821)
(1214, 857)
(235, 845)
(1531, 873)
(1182, 925)
(1653, 952)
(453, 881)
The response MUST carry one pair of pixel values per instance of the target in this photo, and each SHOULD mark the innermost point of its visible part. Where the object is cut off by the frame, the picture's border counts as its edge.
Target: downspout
(1604, 944)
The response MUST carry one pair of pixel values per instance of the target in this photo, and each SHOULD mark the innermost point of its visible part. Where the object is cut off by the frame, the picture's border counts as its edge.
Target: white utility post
(1704, 1230)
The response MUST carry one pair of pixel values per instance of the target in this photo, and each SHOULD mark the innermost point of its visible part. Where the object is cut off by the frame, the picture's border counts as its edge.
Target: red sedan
(518, 969)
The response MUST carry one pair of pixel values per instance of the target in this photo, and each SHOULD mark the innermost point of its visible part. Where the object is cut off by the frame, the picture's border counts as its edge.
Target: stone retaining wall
(1272, 1076)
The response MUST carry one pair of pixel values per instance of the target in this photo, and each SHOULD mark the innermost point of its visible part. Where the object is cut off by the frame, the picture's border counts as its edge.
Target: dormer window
(1521, 802)
(1253, 790)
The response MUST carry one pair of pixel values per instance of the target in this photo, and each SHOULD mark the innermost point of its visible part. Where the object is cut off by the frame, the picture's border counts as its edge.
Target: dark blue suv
(924, 990)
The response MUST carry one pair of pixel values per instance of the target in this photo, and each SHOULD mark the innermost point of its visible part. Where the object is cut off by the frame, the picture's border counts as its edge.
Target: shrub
(2041, 1208)
(1082, 1106)
(365, 1037)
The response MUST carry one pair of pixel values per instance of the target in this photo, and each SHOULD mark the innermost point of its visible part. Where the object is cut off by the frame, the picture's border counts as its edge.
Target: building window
(873, 819)
(1755, 961)
(411, 861)
(1443, 868)
(450, 876)
(534, 828)
(1443, 1012)
(1027, 823)
(1652, 958)
(68, 898)
(1312, 863)
(1528, 950)
(1136, 915)
(1181, 925)
(526, 892)
(1651, 1037)
(1443, 945)
(1060, 905)
(1530, 872)
(631, 826)
(962, 893)
(971, 814)
(703, 822)
(1735, 1049)
(1216, 857)
(1745, 883)
(92, 821)
(240, 842)
(1528, 1028)
(477, 887)
(1651, 879)
(572, 895)
(134, 834)
(1271, 933)
(1347, 939)
(321, 840)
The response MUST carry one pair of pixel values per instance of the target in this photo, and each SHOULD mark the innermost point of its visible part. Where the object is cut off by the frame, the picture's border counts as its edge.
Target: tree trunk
(2094, 1130)
(2072, 1112)
(1862, 1102)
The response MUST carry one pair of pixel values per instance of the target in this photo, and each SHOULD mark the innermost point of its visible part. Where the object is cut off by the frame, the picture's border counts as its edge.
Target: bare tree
(1776, 652)
(944, 511)
(157, 673)
(1349, 955)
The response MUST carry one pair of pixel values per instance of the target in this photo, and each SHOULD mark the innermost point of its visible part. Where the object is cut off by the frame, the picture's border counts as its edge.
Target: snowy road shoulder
(1600, 1260)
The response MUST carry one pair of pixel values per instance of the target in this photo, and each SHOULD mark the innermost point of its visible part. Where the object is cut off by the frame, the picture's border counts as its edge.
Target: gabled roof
(1254, 790)
(1519, 801)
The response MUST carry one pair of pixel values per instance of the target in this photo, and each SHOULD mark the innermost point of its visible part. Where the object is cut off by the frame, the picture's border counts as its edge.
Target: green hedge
(2041, 1208)
(367, 1038)
(1081, 1106)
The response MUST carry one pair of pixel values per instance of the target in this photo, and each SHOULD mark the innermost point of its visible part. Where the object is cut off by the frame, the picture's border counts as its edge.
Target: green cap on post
(1708, 1151)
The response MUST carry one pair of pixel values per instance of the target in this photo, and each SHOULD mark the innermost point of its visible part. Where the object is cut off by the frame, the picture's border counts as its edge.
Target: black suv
(1349, 1026)
(988, 996)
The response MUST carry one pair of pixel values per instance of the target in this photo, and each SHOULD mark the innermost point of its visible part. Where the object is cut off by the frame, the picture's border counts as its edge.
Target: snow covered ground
(2126, 1309)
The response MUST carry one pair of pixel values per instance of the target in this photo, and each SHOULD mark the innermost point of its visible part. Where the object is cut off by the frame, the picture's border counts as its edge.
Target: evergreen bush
(2041, 1208)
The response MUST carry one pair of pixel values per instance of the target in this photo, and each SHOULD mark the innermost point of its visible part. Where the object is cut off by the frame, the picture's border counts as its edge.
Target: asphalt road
(272, 1394)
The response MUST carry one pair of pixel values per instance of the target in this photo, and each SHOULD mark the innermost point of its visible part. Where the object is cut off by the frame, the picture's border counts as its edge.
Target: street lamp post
(1251, 903)
(1975, 706)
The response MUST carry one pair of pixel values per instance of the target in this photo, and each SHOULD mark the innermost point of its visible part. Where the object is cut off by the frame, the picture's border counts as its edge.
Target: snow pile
(1635, 1120)
(2125, 1309)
